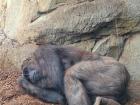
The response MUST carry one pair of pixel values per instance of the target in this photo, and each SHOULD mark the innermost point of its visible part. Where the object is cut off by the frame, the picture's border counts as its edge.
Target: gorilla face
(32, 75)
(31, 71)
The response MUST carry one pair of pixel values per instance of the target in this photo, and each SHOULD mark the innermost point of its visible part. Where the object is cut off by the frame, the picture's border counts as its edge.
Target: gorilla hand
(46, 95)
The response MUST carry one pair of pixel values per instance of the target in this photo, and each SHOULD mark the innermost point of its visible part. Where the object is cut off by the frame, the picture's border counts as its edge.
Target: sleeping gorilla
(55, 72)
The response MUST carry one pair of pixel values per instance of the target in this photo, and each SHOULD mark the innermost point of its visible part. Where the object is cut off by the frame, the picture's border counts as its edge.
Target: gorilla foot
(105, 101)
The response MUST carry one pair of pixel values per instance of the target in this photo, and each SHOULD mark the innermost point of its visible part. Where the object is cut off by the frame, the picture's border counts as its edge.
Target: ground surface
(11, 95)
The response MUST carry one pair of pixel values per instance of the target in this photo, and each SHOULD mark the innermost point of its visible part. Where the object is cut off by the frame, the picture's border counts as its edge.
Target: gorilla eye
(26, 73)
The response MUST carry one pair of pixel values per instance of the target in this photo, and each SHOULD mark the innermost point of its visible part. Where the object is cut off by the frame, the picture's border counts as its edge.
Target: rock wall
(110, 27)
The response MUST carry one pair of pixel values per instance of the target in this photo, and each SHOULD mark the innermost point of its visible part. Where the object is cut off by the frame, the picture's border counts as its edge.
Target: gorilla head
(31, 70)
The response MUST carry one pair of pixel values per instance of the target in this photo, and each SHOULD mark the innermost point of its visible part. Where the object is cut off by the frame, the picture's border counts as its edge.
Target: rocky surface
(12, 53)
(102, 25)
(131, 56)
(109, 27)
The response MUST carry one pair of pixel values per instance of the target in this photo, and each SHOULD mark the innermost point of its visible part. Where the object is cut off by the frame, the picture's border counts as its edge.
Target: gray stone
(87, 45)
(12, 54)
(131, 56)
(110, 46)
(46, 5)
(72, 22)
(19, 13)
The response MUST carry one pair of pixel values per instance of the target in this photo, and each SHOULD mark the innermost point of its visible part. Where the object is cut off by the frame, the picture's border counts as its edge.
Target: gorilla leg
(86, 78)
(43, 94)
(74, 90)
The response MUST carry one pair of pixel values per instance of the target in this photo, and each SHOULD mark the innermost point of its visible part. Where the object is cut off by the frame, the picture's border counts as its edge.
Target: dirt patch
(134, 102)
(10, 94)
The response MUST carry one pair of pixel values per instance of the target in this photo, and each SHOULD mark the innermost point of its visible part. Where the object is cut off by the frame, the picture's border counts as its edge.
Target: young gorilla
(53, 69)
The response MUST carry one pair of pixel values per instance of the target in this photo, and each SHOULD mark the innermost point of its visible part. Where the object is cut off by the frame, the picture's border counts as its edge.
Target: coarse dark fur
(55, 72)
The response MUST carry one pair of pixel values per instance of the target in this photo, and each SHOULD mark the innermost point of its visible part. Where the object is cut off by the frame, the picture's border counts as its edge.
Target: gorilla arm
(46, 95)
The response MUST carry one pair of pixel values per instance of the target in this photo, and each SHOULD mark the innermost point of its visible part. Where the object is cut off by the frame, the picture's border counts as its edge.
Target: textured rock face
(12, 53)
(110, 27)
(69, 23)
(110, 46)
(131, 56)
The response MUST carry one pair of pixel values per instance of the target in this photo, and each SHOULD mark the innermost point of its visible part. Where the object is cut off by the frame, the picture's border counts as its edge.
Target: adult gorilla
(53, 69)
